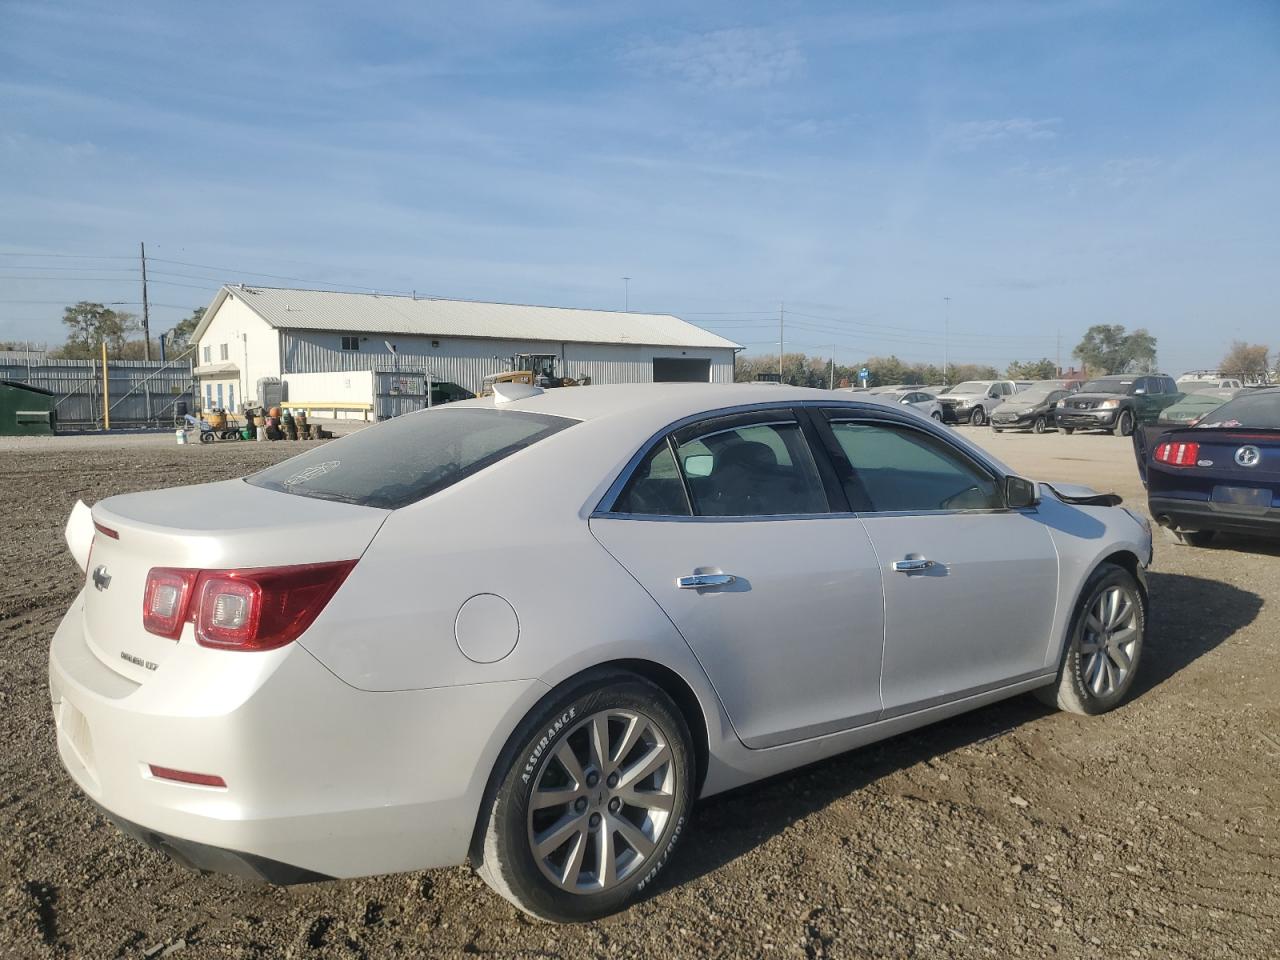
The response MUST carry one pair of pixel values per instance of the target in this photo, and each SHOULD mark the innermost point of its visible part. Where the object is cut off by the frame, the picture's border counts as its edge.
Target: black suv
(1117, 404)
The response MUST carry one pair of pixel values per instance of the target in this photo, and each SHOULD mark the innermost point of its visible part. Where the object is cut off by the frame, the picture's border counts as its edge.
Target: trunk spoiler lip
(1086, 500)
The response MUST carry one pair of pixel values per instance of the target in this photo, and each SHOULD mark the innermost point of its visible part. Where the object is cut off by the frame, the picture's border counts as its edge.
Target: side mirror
(1020, 492)
(699, 465)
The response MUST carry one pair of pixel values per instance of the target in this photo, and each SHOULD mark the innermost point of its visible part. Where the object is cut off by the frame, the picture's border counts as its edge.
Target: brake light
(260, 608)
(1178, 454)
(106, 531)
(165, 600)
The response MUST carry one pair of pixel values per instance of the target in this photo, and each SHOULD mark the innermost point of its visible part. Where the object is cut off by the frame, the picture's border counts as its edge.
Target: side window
(750, 470)
(900, 469)
(655, 489)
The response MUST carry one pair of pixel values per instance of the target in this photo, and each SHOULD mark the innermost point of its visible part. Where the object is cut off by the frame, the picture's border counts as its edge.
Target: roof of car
(673, 400)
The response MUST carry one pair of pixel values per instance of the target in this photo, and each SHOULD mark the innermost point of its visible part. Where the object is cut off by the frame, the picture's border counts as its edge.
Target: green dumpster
(26, 411)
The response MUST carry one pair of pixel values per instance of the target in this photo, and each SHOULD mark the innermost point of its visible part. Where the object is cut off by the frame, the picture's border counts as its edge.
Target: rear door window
(401, 461)
(750, 469)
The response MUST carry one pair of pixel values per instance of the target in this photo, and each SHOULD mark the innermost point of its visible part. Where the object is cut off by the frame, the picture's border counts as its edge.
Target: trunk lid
(213, 526)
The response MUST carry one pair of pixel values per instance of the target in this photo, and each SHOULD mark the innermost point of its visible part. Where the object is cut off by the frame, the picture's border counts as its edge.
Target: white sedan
(528, 631)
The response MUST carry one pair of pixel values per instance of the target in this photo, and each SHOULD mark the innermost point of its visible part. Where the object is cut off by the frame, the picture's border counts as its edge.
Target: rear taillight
(165, 600)
(1177, 454)
(255, 609)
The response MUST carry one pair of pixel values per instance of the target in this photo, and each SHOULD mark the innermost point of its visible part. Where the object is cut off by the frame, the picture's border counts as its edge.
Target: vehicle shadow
(1190, 616)
(1238, 543)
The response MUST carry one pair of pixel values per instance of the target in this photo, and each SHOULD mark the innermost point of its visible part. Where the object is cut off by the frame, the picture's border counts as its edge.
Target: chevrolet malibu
(529, 631)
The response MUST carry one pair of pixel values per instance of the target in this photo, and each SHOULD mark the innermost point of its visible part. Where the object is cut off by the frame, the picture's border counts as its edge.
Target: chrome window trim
(867, 410)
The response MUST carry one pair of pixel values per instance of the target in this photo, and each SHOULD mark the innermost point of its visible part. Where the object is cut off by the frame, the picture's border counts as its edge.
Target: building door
(681, 370)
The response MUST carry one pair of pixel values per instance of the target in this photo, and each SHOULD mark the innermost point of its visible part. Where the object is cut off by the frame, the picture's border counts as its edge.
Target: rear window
(407, 459)
(1254, 411)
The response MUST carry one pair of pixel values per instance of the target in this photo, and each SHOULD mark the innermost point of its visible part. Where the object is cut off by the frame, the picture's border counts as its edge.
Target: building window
(224, 353)
(208, 354)
(350, 343)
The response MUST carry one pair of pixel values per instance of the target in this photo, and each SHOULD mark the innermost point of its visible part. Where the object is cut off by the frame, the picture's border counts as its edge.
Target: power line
(63, 256)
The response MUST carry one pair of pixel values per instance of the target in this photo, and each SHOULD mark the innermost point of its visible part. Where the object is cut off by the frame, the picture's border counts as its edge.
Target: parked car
(1193, 383)
(973, 400)
(1030, 409)
(351, 667)
(1222, 474)
(1117, 404)
(1192, 406)
(918, 399)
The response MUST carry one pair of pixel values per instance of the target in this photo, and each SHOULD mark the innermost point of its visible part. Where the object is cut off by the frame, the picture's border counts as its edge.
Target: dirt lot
(1012, 831)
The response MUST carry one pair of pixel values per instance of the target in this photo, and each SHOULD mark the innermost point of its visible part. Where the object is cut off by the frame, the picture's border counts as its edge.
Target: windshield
(1034, 394)
(970, 386)
(401, 461)
(1255, 411)
(1109, 385)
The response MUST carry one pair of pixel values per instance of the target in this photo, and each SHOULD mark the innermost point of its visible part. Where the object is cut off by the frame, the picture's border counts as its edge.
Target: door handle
(697, 580)
(912, 565)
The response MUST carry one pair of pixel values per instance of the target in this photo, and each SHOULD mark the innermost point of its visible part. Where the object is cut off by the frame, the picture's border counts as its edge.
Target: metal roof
(376, 313)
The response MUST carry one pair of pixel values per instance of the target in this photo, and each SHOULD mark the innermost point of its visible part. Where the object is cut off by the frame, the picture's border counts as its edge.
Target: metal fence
(141, 392)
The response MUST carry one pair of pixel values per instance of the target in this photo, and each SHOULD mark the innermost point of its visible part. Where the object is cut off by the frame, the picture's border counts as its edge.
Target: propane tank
(180, 435)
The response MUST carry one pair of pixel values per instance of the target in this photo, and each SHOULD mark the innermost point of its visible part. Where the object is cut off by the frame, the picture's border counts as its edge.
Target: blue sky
(1046, 165)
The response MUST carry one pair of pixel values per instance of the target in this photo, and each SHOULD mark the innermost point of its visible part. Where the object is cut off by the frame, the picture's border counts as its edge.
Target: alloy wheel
(601, 803)
(1110, 640)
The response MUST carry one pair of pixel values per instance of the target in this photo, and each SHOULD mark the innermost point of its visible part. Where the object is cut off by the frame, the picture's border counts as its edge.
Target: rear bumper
(1205, 515)
(207, 859)
(322, 779)
(1087, 419)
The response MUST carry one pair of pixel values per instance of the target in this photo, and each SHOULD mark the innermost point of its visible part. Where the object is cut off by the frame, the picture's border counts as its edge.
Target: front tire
(592, 800)
(978, 417)
(1104, 645)
(1040, 425)
(1124, 424)
(1068, 430)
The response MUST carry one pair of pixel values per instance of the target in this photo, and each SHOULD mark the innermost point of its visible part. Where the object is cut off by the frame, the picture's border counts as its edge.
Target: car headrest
(746, 455)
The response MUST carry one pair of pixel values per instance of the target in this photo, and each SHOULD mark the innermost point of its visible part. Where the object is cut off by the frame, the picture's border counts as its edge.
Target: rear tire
(1124, 424)
(1104, 645)
(997, 430)
(603, 839)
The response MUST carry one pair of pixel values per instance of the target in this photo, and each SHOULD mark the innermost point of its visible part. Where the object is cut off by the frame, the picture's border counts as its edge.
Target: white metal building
(253, 332)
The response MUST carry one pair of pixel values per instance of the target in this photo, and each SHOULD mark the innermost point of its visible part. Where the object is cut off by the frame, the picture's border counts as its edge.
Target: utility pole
(146, 314)
(946, 339)
(1059, 351)
(782, 314)
(832, 384)
(626, 294)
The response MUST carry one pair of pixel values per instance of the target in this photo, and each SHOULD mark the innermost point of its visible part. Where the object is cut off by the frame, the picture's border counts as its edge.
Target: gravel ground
(1011, 831)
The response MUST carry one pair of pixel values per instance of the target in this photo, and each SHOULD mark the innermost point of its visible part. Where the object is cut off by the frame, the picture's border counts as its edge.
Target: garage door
(681, 370)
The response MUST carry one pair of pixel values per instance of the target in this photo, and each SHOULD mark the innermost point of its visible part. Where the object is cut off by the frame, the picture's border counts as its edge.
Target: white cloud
(733, 59)
(971, 134)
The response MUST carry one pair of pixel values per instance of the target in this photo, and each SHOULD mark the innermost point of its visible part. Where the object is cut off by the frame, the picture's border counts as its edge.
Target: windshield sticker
(319, 470)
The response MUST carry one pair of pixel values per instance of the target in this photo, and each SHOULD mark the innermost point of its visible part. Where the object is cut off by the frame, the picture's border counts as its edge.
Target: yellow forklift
(535, 369)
